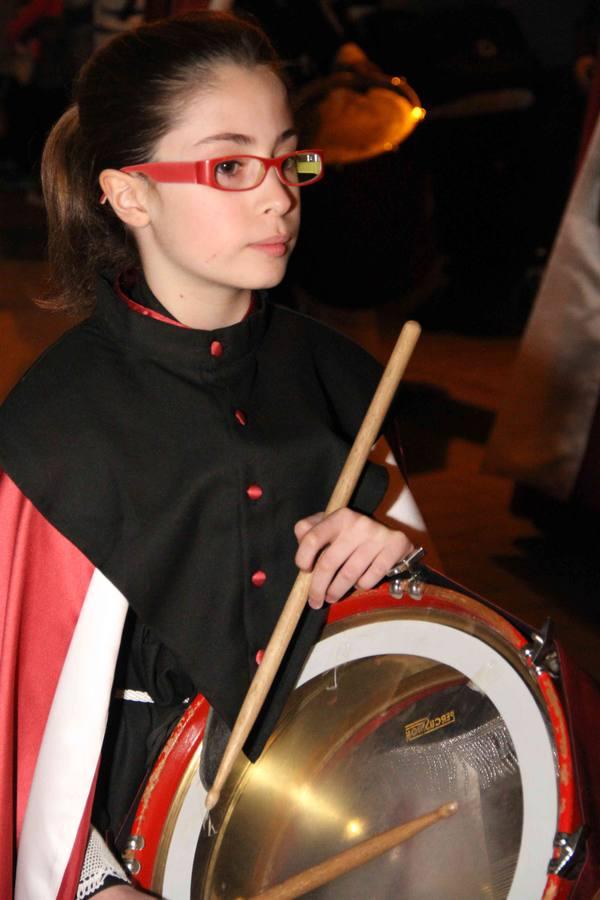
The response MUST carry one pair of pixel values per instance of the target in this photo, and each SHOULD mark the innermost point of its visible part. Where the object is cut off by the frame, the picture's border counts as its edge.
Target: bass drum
(403, 705)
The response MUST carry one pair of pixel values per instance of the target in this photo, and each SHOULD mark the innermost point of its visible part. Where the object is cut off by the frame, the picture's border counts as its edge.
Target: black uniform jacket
(178, 461)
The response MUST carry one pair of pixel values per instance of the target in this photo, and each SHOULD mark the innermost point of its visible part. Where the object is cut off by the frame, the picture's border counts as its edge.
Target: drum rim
(377, 605)
(174, 810)
(151, 835)
(540, 682)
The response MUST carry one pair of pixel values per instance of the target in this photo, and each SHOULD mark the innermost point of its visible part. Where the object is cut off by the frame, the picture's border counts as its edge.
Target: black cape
(139, 444)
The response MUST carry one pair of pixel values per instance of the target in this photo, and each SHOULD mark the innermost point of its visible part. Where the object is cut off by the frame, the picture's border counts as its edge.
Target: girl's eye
(238, 174)
(228, 168)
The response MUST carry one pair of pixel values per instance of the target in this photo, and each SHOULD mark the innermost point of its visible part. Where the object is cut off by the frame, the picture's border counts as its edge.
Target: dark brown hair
(127, 96)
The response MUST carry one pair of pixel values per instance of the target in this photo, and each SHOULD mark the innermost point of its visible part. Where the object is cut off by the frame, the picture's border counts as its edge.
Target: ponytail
(83, 238)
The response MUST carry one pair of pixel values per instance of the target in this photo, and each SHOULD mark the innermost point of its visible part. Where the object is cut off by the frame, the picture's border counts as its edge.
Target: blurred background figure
(365, 120)
(44, 43)
(547, 435)
(587, 70)
(37, 72)
(113, 16)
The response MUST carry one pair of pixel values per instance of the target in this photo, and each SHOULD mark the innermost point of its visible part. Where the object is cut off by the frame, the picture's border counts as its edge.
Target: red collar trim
(143, 310)
(152, 314)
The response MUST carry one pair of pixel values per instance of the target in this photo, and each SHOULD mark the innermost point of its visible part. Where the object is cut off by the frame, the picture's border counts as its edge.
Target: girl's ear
(127, 194)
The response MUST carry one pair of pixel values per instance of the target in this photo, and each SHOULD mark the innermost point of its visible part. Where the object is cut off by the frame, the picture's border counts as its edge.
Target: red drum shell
(158, 833)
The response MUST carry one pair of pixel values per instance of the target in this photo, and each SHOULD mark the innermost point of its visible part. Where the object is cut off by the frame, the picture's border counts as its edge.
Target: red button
(254, 491)
(259, 657)
(240, 416)
(258, 578)
(216, 348)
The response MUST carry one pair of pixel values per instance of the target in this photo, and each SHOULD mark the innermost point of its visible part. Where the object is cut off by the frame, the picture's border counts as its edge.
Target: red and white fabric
(60, 630)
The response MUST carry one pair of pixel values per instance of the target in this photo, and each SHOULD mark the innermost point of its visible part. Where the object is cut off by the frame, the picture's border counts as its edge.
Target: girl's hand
(344, 550)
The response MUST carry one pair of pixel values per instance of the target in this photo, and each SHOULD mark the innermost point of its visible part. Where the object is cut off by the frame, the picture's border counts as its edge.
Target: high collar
(180, 349)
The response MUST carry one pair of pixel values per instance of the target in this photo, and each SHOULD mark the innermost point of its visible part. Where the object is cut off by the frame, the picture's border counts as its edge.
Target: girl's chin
(268, 278)
(270, 282)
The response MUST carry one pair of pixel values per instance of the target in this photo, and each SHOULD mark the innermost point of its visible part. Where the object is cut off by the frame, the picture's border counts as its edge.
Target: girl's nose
(275, 196)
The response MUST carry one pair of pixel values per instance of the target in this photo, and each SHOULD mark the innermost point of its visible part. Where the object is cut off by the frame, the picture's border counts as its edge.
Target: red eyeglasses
(236, 173)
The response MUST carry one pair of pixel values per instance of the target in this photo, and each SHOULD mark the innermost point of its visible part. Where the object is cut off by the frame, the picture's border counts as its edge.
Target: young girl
(165, 463)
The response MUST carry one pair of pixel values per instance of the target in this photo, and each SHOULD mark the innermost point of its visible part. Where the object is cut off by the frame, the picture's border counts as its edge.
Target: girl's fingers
(380, 566)
(323, 531)
(344, 550)
(347, 576)
(337, 570)
(304, 525)
(343, 525)
(364, 568)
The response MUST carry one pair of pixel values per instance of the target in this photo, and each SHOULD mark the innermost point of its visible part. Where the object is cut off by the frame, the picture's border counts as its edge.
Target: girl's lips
(275, 246)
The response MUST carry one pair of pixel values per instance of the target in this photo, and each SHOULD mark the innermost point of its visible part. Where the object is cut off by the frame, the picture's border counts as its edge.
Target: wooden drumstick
(316, 876)
(286, 625)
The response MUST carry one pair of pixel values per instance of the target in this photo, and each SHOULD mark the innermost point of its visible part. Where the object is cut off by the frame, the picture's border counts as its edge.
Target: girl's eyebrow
(243, 139)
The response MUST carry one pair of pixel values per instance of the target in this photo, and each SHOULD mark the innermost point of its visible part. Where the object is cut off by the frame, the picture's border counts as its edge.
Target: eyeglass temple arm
(173, 173)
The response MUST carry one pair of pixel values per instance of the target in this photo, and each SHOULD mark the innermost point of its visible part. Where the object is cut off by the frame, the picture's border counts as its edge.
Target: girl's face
(200, 240)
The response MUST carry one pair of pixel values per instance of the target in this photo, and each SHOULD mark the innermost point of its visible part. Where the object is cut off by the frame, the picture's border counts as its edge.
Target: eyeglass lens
(241, 173)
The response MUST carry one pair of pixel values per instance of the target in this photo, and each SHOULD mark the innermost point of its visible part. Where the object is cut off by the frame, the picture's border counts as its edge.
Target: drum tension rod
(134, 843)
(542, 650)
(406, 576)
(571, 848)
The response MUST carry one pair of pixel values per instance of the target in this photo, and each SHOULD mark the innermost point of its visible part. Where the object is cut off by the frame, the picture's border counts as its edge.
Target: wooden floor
(452, 390)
